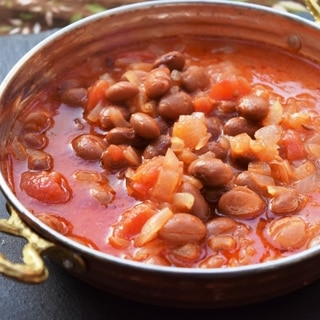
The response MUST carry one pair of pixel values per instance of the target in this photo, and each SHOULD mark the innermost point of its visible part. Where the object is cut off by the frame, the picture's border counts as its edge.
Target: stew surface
(189, 152)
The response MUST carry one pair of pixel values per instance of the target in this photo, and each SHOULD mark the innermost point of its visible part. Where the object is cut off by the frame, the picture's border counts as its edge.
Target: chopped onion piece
(150, 229)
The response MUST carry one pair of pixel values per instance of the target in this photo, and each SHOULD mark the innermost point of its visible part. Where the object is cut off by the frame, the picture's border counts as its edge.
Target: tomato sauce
(225, 121)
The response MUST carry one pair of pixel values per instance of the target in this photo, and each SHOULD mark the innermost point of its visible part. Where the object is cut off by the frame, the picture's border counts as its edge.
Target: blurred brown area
(34, 16)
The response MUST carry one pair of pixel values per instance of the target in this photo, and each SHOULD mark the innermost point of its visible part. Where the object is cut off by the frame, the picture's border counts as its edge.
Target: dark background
(64, 297)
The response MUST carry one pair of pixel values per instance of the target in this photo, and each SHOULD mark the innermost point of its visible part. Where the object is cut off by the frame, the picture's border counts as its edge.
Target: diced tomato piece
(293, 146)
(229, 89)
(96, 93)
(143, 180)
(49, 187)
(202, 104)
(132, 221)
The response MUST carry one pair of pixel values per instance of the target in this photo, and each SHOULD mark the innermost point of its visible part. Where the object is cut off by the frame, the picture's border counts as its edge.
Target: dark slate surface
(66, 298)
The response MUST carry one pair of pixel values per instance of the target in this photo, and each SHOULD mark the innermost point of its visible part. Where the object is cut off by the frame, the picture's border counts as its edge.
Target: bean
(222, 242)
(216, 148)
(214, 261)
(287, 233)
(144, 126)
(39, 160)
(214, 127)
(173, 60)
(194, 78)
(157, 83)
(253, 107)
(200, 208)
(211, 171)
(172, 105)
(183, 228)
(157, 147)
(55, 222)
(286, 202)
(242, 203)
(221, 225)
(124, 136)
(38, 121)
(88, 146)
(74, 96)
(121, 91)
(114, 116)
(35, 140)
(237, 125)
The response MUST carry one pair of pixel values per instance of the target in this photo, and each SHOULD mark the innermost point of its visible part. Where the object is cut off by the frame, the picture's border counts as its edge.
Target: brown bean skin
(253, 107)
(241, 202)
(211, 171)
(173, 60)
(144, 126)
(171, 106)
(183, 228)
(237, 125)
(157, 147)
(121, 91)
(88, 146)
(39, 160)
(124, 136)
(157, 83)
(35, 140)
(287, 233)
(286, 202)
(37, 121)
(74, 96)
(194, 78)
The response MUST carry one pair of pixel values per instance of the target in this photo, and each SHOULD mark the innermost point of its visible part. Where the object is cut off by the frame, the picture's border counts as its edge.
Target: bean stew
(185, 151)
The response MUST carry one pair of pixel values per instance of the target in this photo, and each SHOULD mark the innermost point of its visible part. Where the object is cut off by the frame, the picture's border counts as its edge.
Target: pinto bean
(88, 146)
(35, 140)
(124, 136)
(74, 96)
(37, 121)
(286, 202)
(211, 171)
(214, 127)
(237, 125)
(287, 233)
(183, 228)
(172, 105)
(157, 83)
(222, 242)
(158, 147)
(216, 148)
(39, 160)
(200, 207)
(114, 116)
(121, 91)
(242, 203)
(144, 126)
(194, 78)
(173, 60)
(253, 107)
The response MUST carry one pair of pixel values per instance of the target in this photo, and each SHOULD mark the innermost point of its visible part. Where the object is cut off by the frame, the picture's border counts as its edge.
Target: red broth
(192, 152)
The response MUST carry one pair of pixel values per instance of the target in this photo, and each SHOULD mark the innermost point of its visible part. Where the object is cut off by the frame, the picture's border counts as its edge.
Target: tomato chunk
(49, 187)
(229, 89)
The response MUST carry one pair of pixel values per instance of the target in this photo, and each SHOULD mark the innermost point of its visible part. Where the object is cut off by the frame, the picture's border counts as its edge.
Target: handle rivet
(67, 264)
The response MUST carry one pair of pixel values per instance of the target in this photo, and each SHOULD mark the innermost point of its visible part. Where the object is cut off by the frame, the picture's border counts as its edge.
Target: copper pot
(152, 284)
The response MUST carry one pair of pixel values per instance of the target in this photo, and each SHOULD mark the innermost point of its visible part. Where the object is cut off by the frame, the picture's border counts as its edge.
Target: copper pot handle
(314, 9)
(33, 269)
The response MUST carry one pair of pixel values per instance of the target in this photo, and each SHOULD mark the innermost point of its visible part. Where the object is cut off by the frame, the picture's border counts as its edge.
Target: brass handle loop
(314, 9)
(33, 269)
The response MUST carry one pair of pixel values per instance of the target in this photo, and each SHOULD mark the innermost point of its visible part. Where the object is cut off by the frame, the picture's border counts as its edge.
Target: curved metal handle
(33, 269)
(314, 9)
